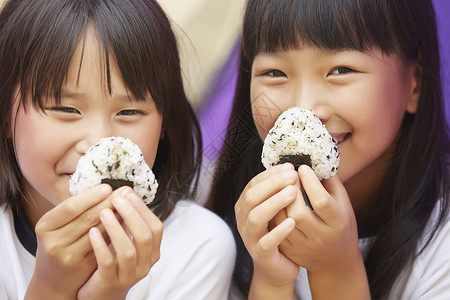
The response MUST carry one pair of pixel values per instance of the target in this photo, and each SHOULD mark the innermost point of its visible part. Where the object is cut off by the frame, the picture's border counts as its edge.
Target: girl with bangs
(379, 229)
(72, 73)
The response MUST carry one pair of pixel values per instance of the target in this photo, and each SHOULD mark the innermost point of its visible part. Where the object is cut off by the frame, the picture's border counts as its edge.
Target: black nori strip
(296, 160)
(117, 183)
(306, 198)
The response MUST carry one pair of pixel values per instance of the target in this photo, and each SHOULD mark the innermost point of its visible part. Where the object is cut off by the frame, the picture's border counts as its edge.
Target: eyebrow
(326, 52)
(65, 93)
(70, 94)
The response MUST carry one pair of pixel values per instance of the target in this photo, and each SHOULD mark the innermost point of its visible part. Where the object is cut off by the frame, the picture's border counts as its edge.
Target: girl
(71, 73)
(370, 71)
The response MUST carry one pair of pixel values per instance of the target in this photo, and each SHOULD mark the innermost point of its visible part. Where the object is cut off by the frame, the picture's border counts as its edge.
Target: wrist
(349, 282)
(266, 287)
(38, 291)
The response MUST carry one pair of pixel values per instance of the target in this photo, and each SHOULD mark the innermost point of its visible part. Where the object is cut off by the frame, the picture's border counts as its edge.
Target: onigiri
(114, 160)
(299, 137)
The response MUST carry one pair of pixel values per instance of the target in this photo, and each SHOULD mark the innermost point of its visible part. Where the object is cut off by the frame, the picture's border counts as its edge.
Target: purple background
(214, 115)
(443, 11)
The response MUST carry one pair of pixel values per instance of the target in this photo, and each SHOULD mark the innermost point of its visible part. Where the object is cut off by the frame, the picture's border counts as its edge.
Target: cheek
(26, 136)
(148, 140)
(28, 158)
(149, 149)
(374, 133)
(263, 121)
(265, 111)
(38, 153)
(384, 116)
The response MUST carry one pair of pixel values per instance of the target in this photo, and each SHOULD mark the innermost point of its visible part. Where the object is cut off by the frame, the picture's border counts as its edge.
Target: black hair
(418, 176)
(37, 42)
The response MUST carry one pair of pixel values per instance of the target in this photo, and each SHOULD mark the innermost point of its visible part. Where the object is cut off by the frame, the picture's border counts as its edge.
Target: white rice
(298, 132)
(114, 158)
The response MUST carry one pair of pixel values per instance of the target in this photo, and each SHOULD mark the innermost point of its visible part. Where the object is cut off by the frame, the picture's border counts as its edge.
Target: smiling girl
(379, 229)
(73, 72)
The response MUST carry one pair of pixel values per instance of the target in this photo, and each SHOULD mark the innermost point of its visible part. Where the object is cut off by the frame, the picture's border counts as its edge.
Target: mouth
(341, 138)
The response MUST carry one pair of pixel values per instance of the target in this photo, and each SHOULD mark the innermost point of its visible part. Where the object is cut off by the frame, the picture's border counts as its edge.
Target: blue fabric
(26, 235)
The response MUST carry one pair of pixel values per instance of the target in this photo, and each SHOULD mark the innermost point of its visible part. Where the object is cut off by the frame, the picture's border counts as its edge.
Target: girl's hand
(64, 258)
(263, 197)
(135, 245)
(325, 240)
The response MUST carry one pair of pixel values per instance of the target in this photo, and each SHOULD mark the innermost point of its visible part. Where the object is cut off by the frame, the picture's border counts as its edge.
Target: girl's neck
(34, 210)
(362, 187)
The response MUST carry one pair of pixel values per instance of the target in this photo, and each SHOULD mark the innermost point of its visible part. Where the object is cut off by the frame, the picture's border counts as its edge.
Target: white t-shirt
(428, 277)
(197, 258)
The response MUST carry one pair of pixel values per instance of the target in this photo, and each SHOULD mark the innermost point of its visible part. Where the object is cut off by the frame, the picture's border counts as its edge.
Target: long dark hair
(37, 41)
(418, 176)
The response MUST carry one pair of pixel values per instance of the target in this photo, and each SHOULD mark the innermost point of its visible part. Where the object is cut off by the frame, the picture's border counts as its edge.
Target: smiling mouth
(341, 138)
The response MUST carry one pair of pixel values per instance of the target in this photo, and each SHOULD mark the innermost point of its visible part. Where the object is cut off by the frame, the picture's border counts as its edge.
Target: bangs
(273, 25)
(49, 54)
(46, 56)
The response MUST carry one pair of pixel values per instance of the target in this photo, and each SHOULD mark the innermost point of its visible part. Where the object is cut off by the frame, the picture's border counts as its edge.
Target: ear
(163, 130)
(416, 86)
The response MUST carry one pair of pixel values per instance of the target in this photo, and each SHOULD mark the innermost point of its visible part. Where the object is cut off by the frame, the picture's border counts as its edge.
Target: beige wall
(207, 31)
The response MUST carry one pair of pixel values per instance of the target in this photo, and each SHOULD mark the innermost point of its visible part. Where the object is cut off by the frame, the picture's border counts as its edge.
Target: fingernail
(119, 200)
(289, 223)
(290, 175)
(94, 232)
(133, 198)
(302, 170)
(125, 192)
(287, 192)
(287, 166)
(107, 214)
(106, 189)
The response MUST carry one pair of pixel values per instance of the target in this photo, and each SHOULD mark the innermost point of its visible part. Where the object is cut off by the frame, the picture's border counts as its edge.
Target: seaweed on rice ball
(116, 161)
(299, 137)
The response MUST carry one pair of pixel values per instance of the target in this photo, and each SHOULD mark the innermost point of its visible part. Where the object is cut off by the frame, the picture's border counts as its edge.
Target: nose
(91, 132)
(313, 97)
(82, 146)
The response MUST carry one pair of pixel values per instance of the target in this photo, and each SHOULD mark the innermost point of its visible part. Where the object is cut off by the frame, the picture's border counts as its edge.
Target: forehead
(90, 67)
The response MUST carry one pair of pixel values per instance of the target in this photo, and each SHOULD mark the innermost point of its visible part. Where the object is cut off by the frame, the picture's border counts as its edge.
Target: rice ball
(299, 137)
(116, 161)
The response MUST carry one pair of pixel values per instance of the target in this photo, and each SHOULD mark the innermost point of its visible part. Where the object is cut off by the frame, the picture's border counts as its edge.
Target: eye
(341, 71)
(130, 112)
(275, 73)
(64, 109)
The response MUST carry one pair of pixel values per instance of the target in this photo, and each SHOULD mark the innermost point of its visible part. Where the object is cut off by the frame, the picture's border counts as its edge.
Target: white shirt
(428, 277)
(197, 258)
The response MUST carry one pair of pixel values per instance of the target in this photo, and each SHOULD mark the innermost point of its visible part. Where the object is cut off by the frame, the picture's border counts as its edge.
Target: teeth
(340, 139)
